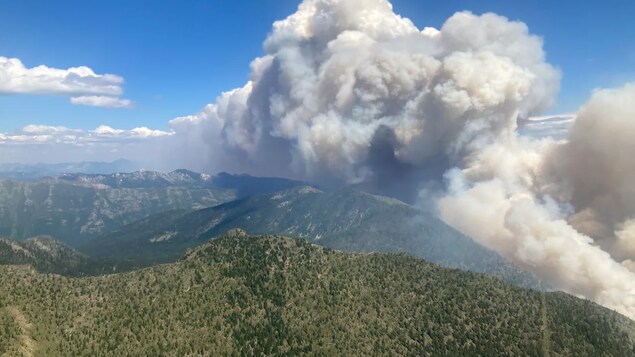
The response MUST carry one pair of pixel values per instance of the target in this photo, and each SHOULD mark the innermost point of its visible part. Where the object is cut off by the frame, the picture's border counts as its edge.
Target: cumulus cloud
(51, 144)
(59, 134)
(102, 101)
(81, 83)
(350, 92)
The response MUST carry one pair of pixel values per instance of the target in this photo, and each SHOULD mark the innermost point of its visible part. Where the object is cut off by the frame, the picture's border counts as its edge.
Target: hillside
(346, 219)
(240, 295)
(77, 206)
(42, 253)
(49, 256)
(69, 212)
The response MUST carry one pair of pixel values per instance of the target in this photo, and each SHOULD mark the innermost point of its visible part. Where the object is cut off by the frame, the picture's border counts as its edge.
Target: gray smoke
(594, 171)
(562, 209)
(350, 92)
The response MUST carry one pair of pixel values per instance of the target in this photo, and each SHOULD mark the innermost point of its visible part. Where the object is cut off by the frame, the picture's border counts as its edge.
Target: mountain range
(127, 220)
(76, 206)
(344, 219)
(30, 172)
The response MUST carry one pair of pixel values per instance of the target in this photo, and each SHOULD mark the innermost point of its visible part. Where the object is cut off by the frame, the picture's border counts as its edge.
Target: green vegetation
(44, 254)
(47, 255)
(269, 295)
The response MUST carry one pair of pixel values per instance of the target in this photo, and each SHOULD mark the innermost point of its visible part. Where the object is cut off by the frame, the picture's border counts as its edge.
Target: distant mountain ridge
(139, 179)
(148, 216)
(244, 185)
(344, 219)
(76, 206)
(30, 172)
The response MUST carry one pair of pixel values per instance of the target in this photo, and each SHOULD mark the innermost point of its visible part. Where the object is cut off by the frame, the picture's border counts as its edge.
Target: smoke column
(350, 92)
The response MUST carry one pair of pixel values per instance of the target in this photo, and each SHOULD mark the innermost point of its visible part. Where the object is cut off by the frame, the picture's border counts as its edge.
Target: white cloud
(106, 130)
(102, 101)
(146, 132)
(45, 129)
(43, 134)
(82, 84)
(34, 144)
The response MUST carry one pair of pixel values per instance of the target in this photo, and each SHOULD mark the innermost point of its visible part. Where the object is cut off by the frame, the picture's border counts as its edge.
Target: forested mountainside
(44, 254)
(49, 256)
(269, 295)
(145, 217)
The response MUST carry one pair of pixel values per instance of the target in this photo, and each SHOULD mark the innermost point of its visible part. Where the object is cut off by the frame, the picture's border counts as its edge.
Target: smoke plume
(350, 92)
(563, 210)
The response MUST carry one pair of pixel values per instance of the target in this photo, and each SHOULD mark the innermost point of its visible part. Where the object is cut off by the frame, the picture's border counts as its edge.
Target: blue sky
(177, 56)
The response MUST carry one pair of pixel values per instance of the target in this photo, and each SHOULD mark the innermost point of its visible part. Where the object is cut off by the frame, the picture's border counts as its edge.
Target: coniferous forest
(271, 295)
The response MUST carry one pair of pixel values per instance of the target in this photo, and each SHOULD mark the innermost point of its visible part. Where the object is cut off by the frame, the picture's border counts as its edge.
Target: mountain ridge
(77, 206)
(32, 172)
(345, 219)
(245, 184)
(43, 254)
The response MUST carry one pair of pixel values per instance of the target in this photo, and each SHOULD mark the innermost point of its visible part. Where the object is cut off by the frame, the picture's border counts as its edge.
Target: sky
(173, 57)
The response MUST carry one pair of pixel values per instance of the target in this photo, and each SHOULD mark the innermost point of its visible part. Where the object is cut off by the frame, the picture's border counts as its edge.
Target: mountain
(70, 213)
(74, 207)
(44, 254)
(344, 219)
(49, 256)
(243, 185)
(140, 179)
(31, 172)
(267, 295)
